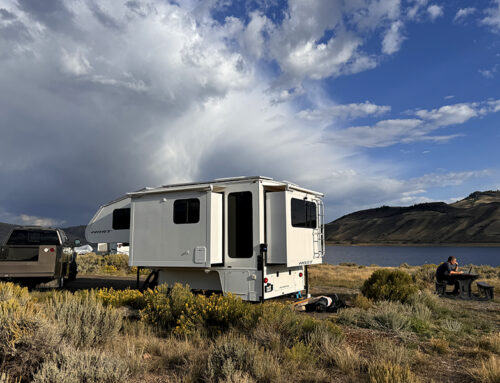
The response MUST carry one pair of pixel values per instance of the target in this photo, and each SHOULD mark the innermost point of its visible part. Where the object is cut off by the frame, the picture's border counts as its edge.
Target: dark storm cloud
(6, 15)
(105, 19)
(52, 13)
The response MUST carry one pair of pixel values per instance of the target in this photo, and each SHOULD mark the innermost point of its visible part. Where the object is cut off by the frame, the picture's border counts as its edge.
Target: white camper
(251, 236)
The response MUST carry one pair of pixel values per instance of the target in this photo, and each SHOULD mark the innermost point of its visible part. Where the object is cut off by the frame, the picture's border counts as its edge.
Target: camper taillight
(266, 280)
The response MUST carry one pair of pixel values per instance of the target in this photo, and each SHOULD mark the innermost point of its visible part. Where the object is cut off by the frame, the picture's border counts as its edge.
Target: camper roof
(216, 185)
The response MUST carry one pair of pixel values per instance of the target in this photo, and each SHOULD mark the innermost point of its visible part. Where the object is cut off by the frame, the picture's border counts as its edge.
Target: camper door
(293, 229)
(181, 229)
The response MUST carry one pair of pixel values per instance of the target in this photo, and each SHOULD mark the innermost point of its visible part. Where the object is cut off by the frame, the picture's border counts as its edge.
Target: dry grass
(491, 342)
(487, 371)
(351, 277)
(388, 372)
(187, 338)
(345, 358)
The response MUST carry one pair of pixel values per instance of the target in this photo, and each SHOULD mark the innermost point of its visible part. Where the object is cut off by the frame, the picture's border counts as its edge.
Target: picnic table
(464, 283)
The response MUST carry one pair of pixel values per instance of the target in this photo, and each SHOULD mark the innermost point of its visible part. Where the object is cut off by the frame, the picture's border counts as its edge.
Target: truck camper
(251, 236)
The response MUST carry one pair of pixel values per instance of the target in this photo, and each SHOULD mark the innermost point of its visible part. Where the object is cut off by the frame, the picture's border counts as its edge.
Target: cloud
(463, 13)
(489, 73)
(344, 112)
(101, 97)
(393, 38)
(493, 16)
(449, 114)
(39, 221)
(29, 220)
(435, 11)
(390, 132)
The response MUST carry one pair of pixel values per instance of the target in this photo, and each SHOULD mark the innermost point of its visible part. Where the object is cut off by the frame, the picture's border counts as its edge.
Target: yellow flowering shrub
(117, 298)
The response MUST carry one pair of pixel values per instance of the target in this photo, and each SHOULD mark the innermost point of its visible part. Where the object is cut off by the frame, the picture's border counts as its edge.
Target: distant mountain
(473, 220)
(5, 229)
(73, 232)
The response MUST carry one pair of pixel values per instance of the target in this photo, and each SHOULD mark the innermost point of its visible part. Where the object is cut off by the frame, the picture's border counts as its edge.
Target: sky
(384, 102)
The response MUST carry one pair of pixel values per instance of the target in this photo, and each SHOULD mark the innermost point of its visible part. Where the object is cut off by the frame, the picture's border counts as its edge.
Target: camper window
(240, 227)
(303, 213)
(121, 219)
(187, 210)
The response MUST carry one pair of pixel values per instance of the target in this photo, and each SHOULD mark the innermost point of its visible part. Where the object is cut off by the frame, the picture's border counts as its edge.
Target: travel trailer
(251, 236)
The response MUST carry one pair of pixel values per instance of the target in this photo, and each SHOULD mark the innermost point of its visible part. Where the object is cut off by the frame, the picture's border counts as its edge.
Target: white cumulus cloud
(393, 38)
(493, 16)
(463, 13)
(435, 11)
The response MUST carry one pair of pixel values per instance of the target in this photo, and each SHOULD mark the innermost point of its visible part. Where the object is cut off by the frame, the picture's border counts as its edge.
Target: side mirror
(77, 242)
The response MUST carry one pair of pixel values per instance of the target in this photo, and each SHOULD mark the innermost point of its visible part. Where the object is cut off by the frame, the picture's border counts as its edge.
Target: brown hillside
(473, 220)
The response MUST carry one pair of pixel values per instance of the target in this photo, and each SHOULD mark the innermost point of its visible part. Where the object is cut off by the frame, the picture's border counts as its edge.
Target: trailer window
(121, 219)
(187, 210)
(239, 225)
(303, 213)
(33, 237)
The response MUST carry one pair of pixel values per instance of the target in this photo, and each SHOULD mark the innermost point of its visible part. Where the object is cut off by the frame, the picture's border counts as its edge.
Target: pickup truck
(33, 255)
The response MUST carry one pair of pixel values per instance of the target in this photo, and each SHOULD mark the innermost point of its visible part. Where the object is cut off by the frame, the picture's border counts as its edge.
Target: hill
(73, 232)
(473, 220)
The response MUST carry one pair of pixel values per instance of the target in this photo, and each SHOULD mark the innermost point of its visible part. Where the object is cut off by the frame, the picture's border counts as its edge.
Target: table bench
(485, 289)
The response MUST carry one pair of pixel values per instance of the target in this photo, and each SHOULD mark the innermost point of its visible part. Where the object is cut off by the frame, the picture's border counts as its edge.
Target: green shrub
(301, 355)
(387, 315)
(344, 358)
(229, 354)
(181, 311)
(83, 319)
(93, 263)
(89, 366)
(9, 290)
(387, 351)
(425, 274)
(392, 285)
(26, 339)
(118, 298)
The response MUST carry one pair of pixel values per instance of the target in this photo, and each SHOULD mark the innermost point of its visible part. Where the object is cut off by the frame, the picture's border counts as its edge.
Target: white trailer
(251, 236)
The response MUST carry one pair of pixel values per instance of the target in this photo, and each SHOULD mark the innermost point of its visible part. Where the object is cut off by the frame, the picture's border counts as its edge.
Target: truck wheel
(73, 271)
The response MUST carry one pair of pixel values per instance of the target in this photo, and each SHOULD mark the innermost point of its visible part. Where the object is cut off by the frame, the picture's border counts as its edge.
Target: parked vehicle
(34, 254)
(251, 236)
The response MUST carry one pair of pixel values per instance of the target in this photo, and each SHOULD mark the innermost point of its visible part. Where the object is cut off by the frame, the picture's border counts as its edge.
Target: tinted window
(303, 213)
(121, 219)
(33, 237)
(187, 210)
(239, 225)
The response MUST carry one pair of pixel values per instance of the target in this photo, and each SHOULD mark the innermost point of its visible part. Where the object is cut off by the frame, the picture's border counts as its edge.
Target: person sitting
(445, 272)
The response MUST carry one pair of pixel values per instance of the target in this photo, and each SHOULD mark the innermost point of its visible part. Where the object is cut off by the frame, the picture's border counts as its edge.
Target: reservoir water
(412, 255)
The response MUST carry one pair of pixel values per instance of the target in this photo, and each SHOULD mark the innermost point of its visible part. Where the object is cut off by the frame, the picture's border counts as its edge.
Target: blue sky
(384, 102)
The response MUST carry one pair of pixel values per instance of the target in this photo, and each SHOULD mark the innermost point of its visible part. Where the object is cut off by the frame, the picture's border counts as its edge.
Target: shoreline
(327, 243)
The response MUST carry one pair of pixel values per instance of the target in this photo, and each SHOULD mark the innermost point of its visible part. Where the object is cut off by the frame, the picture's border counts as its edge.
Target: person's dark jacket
(443, 271)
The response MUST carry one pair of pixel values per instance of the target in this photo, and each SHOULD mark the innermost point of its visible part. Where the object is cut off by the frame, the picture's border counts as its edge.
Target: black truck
(33, 255)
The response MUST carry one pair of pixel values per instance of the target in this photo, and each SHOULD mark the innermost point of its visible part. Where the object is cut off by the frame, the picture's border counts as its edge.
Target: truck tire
(73, 271)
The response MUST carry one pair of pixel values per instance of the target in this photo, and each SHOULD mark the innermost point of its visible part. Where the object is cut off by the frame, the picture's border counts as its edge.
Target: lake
(412, 255)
